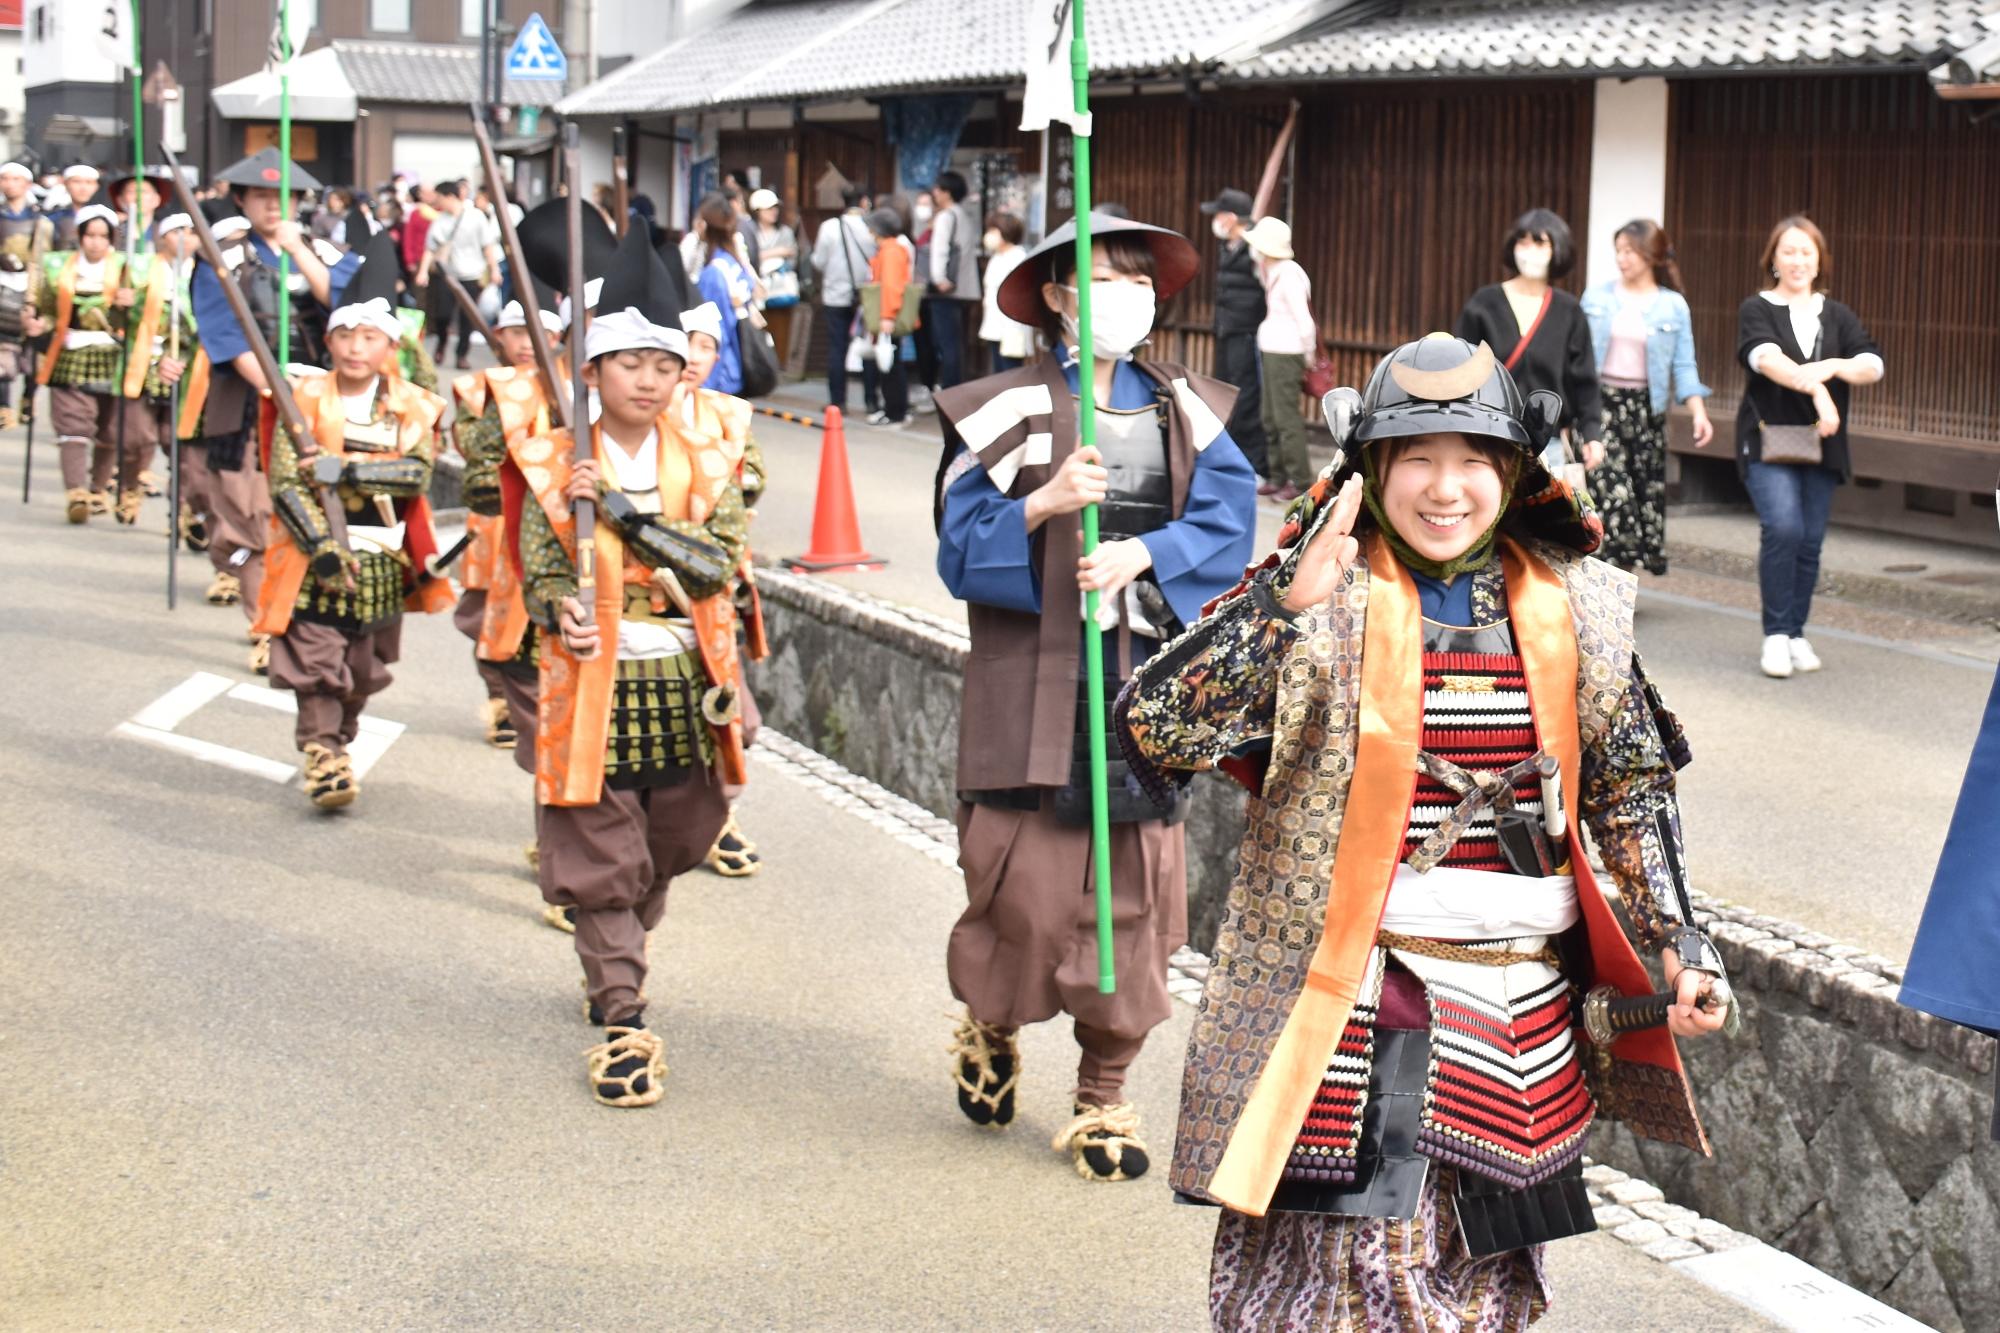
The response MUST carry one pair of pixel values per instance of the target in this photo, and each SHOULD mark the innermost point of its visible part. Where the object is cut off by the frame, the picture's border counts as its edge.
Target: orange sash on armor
(194, 395)
(285, 565)
(488, 562)
(160, 280)
(1371, 844)
(114, 268)
(576, 695)
(723, 414)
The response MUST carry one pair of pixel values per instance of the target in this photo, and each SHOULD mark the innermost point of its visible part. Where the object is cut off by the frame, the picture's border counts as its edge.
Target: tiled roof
(769, 52)
(428, 72)
(1424, 38)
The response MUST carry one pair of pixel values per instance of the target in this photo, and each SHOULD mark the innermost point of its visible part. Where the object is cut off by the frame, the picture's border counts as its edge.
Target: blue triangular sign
(535, 54)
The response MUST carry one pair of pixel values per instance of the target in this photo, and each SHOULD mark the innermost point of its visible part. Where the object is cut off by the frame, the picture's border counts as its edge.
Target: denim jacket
(1669, 341)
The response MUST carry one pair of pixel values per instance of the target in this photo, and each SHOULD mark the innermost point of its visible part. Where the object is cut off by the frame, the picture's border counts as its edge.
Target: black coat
(1560, 358)
(1239, 292)
(1841, 334)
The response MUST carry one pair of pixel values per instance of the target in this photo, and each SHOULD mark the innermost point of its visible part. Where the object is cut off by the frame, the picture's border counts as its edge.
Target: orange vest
(726, 415)
(487, 562)
(575, 713)
(417, 412)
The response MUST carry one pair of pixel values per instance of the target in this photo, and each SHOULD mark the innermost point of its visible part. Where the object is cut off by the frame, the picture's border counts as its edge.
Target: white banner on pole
(1050, 94)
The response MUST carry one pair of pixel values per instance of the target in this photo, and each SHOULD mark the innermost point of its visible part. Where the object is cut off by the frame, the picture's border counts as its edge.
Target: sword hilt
(1608, 1015)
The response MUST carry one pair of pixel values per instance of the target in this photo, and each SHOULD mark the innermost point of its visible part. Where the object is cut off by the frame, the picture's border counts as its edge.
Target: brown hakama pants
(469, 616)
(333, 673)
(1026, 947)
(613, 862)
(239, 522)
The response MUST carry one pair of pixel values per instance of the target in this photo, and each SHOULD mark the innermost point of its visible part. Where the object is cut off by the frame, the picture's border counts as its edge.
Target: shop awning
(320, 91)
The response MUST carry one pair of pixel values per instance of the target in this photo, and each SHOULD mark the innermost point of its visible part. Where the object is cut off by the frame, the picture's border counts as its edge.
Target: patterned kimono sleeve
(1211, 694)
(754, 476)
(548, 575)
(484, 446)
(293, 499)
(1628, 803)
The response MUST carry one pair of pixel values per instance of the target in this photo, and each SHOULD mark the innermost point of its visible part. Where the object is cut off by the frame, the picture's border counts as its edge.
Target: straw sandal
(225, 590)
(330, 780)
(733, 855)
(628, 1069)
(194, 531)
(100, 502)
(260, 654)
(1104, 1142)
(129, 504)
(77, 502)
(149, 483)
(499, 722)
(986, 1064)
(562, 918)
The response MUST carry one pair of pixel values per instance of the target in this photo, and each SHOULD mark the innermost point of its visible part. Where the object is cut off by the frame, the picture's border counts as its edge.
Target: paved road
(1822, 799)
(268, 1068)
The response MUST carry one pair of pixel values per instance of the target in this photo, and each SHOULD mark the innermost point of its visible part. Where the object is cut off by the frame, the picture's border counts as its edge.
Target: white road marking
(176, 705)
(155, 724)
(209, 752)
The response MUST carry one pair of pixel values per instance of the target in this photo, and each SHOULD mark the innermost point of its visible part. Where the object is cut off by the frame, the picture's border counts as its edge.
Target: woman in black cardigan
(1803, 350)
(1558, 354)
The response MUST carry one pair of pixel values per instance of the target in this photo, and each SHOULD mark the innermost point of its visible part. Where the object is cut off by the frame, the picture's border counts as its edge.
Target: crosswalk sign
(535, 54)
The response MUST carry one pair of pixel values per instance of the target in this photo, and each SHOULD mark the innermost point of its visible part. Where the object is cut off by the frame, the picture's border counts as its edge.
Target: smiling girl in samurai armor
(1387, 1087)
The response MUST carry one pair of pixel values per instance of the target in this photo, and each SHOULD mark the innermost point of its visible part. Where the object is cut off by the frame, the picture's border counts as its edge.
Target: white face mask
(991, 240)
(1531, 264)
(1121, 317)
(1221, 229)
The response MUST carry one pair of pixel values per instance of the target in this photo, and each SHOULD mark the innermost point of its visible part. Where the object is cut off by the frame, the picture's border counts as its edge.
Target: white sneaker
(1803, 656)
(1777, 660)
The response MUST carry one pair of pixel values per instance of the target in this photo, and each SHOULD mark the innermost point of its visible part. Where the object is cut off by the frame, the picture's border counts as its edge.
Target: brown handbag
(1799, 446)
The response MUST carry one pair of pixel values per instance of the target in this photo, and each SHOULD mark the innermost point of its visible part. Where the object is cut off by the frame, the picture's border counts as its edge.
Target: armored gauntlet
(700, 564)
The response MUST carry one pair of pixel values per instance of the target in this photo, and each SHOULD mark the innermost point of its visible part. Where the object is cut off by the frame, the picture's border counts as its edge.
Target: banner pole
(1086, 400)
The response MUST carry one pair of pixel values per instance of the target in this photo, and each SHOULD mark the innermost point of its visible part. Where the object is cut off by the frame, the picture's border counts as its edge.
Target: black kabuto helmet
(1440, 383)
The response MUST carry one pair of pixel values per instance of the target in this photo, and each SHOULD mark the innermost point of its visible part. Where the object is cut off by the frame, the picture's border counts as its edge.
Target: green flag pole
(138, 137)
(284, 180)
(1086, 411)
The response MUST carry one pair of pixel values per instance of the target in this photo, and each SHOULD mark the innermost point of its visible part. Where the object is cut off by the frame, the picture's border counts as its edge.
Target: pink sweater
(1288, 323)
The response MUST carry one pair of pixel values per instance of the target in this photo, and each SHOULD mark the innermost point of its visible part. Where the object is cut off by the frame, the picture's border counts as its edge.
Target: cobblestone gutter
(1848, 1131)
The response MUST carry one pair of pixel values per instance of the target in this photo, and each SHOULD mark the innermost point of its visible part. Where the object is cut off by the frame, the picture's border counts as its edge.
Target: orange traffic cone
(836, 539)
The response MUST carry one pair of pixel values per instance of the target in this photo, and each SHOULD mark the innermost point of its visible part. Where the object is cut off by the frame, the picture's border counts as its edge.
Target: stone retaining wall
(1847, 1129)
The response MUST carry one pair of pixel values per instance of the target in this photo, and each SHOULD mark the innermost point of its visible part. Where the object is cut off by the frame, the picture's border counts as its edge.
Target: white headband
(234, 225)
(627, 330)
(15, 169)
(172, 222)
(591, 291)
(512, 316)
(80, 172)
(704, 318)
(91, 212)
(374, 313)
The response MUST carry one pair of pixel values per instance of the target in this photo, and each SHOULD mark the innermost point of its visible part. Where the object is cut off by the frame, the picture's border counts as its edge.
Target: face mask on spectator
(991, 240)
(1531, 264)
(1221, 228)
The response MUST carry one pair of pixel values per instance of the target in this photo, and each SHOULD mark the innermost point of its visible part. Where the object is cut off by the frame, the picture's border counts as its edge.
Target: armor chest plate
(1140, 496)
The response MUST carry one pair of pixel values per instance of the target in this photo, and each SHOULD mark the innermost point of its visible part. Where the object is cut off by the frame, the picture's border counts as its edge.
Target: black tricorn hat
(544, 234)
(636, 277)
(263, 171)
(215, 210)
(379, 272)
